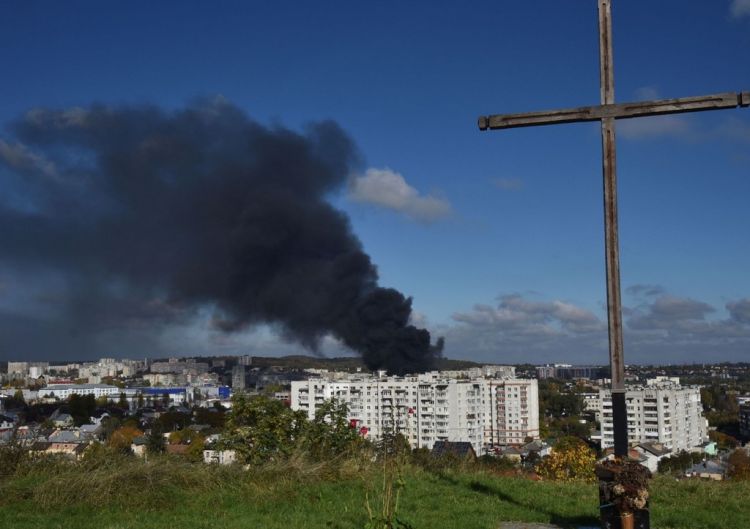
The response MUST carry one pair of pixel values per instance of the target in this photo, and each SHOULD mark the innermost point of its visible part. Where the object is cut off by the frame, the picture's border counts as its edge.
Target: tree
(723, 441)
(155, 440)
(122, 438)
(553, 402)
(260, 429)
(18, 400)
(173, 420)
(739, 465)
(212, 417)
(184, 437)
(140, 400)
(331, 433)
(110, 424)
(122, 403)
(195, 441)
(81, 408)
(571, 460)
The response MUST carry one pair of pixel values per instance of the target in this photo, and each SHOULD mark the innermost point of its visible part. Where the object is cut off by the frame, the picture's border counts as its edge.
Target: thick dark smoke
(148, 215)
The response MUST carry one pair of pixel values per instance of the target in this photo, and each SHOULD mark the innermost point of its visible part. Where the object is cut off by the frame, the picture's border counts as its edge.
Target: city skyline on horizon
(208, 357)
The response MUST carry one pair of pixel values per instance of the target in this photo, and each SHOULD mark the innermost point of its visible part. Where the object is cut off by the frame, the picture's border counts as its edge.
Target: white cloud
(389, 189)
(740, 8)
(20, 158)
(515, 313)
(670, 313)
(654, 127)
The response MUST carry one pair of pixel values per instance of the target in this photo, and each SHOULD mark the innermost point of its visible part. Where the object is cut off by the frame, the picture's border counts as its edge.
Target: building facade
(569, 372)
(745, 419)
(238, 378)
(63, 391)
(662, 412)
(487, 412)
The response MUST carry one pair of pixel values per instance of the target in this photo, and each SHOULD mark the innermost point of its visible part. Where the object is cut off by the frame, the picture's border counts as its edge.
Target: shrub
(571, 460)
(739, 465)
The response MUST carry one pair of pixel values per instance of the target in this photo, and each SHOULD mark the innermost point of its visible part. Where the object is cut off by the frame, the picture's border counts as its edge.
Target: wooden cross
(607, 113)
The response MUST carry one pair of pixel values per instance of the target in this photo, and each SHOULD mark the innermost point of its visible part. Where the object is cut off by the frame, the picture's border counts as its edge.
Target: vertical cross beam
(608, 112)
(611, 238)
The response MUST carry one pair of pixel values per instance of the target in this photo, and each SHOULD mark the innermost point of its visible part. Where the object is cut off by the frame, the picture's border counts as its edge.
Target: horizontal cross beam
(616, 111)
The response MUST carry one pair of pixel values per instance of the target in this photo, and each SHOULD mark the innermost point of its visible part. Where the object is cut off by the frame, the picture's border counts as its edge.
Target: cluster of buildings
(23, 370)
(493, 410)
(91, 372)
(488, 407)
(570, 372)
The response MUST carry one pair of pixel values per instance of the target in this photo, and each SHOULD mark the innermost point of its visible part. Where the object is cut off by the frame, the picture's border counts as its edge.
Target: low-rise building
(653, 452)
(64, 391)
(220, 457)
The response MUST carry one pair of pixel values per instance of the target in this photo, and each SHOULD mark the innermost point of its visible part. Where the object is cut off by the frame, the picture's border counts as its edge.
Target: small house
(459, 449)
(653, 452)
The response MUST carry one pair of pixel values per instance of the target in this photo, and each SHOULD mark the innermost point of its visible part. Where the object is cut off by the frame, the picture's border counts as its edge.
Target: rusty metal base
(611, 518)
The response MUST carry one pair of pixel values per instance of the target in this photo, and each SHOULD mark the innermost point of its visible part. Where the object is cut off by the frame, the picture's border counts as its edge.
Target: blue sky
(497, 235)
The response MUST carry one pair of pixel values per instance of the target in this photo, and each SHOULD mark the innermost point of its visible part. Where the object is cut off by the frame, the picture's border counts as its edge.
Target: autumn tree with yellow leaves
(571, 460)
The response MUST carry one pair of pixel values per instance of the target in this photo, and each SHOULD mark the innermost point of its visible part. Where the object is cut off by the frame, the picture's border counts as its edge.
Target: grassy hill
(165, 493)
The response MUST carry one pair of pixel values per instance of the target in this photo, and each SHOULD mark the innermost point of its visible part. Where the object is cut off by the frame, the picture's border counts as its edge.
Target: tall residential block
(662, 411)
(238, 378)
(487, 412)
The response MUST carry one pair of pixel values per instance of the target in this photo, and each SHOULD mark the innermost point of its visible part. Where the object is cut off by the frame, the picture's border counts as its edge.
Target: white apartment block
(513, 412)
(63, 391)
(662, 411)
(431, 407)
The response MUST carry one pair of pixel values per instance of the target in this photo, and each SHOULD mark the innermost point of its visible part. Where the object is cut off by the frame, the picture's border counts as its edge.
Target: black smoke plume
(149, 215)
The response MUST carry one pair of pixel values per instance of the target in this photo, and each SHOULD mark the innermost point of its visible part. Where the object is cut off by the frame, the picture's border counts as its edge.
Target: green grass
(165, 494)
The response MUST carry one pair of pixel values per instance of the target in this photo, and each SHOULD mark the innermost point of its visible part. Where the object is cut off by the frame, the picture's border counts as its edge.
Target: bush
(571, 460)
(12, 456)
(739, 465)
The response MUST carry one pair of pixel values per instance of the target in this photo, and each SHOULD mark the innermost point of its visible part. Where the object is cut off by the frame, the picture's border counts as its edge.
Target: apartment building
(662, 411)
(487, 412)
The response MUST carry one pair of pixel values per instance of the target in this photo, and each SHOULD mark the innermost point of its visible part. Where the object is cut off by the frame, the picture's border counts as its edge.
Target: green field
(128, 493)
